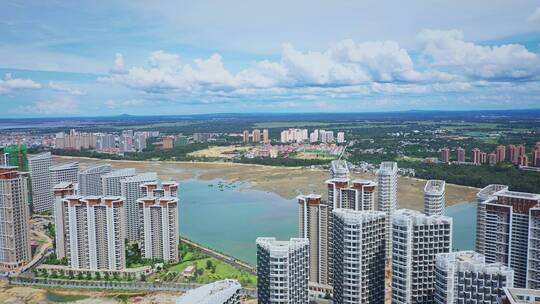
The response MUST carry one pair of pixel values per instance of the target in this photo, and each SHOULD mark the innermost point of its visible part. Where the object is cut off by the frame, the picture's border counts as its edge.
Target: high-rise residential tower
(445, 155)
(159, 228)
(359, 256)
(460, 154)
(266, 137)
(111, 181)
(485, 194)
(131, 191)
(95, 232)
(359, 195)
(465, 277)
(417, 239)
(40, 177)
(387, 198)
(61, 191)
(434, 197)
(256, 135)
(509, 223)
(501, 153)
(68, 172)
(14, 219)
(90, 180)
(339, 169)
(313, 225)
(160, 189)
(476, 156)
(282, 271)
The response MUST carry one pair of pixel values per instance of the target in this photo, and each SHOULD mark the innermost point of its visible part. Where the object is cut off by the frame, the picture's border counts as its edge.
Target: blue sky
(80, 58)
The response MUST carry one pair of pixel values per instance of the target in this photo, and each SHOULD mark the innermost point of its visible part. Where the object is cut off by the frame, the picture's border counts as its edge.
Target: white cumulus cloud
(9, 84)
(64, 105)
(61, 87)
(448, 50)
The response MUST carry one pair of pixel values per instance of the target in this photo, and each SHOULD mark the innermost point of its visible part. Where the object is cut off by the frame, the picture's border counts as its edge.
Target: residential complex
(90, 180)
(359, 256)
(282, 270)
(158, 218)
(131, 191)
(61, 191)
(509, 233)
(111, 181)
(14, 219)
(434, 197)
(417, 239)
(313, 225)
(465, 277)
(219, 292)
(387, 198)
(40, 176)
(95, 232)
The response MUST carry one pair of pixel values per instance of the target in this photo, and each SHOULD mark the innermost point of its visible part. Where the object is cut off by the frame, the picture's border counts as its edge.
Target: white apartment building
(219, 292)
(159, 223)
(387, 198)
(61, 191)
(340, 137)
(294, 135)
(313, 214)
(487, 193)
(68, 172)
(282, 271)
(465, 277)
(359, 256)
(417, 239)
(90, 179)
(131, 191)
(40, 178)
(511, 234)
(434, 197)
(111, 181)
(359, 195)
(95, 232)
(14, 220)
(314, 136)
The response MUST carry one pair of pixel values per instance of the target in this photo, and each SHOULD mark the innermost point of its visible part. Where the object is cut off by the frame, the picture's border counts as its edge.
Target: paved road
(62, 283)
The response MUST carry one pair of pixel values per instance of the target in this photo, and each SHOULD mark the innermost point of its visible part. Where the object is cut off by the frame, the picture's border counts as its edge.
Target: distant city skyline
(97, 58)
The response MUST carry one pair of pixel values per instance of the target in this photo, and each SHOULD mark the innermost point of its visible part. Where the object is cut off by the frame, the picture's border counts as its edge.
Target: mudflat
(284, 181)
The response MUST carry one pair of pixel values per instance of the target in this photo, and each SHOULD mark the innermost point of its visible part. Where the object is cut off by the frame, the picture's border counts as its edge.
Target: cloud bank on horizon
(143, 70)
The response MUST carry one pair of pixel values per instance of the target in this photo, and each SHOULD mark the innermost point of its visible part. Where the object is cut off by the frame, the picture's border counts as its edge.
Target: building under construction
(15, 155)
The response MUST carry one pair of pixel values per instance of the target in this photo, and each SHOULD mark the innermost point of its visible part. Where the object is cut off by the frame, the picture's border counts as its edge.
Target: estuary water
(228, 217)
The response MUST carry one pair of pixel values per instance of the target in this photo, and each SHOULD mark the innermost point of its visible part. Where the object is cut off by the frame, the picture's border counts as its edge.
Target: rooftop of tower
(435, 187)
(215, 292)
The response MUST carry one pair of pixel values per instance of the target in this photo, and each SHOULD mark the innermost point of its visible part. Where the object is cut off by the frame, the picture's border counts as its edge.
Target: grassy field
(209, 270)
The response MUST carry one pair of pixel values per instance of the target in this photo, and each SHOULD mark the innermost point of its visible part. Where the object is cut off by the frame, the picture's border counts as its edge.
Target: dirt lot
(287, 182)
(219, 151)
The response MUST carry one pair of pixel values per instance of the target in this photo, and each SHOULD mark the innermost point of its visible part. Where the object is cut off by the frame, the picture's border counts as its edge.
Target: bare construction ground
(287, 182)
